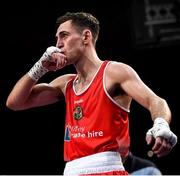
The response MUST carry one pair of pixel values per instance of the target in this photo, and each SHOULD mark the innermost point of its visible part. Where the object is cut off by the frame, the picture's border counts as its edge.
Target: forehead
(66, 26)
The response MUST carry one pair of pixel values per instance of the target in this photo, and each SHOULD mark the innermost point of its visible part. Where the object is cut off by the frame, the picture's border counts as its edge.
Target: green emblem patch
(78, 114)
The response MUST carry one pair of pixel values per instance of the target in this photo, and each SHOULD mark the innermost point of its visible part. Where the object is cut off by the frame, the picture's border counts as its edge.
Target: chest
(80, 87)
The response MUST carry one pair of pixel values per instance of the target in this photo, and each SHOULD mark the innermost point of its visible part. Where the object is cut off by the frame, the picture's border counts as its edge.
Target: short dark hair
(82, 20)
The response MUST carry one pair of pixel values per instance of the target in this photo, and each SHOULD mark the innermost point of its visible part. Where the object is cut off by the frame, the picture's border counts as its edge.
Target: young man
(97, 98)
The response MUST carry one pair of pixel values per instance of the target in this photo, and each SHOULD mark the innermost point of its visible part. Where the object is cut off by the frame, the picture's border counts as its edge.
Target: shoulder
(119, 70)
(114, 65)
(61, 81)
(63, 78)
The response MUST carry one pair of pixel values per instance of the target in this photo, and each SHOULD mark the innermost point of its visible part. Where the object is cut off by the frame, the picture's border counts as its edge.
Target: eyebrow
(61, 33)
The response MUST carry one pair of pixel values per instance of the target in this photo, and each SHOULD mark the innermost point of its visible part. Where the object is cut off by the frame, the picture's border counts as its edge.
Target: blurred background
(142, 33)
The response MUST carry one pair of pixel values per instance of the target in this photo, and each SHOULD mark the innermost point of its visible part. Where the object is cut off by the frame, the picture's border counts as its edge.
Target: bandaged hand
(164, 139)
(46, 63)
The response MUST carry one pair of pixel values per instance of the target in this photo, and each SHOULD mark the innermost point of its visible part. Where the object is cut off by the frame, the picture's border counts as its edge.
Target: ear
(87, 36)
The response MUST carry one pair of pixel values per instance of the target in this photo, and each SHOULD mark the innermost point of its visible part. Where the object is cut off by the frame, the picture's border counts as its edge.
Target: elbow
(12, 105)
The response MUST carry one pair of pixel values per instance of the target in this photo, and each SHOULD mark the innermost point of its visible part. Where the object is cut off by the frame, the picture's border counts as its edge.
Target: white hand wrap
(38, 70)
(161, 128)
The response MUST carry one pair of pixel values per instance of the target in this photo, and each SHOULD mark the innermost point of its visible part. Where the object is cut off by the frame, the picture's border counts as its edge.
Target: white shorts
(96, 163)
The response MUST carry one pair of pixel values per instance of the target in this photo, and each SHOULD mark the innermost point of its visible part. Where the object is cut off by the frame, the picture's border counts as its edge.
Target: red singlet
(94, 121)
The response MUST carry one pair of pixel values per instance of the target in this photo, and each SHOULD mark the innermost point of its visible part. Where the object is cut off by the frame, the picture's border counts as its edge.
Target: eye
(63, 35)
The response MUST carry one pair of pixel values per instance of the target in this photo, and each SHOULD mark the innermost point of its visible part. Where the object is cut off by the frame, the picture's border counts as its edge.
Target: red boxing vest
(94, 121)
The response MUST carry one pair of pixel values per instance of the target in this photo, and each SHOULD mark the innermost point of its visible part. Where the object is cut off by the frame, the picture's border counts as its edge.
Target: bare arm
(164, 139)
(131, 83)
(27, 94)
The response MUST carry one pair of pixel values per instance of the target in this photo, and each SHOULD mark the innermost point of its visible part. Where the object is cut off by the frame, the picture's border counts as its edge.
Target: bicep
(138, 90)
(141, 93)
(43, 94)
(132, 85)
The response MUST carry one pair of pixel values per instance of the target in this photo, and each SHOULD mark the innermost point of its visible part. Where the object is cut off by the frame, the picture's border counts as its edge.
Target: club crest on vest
(78, 113)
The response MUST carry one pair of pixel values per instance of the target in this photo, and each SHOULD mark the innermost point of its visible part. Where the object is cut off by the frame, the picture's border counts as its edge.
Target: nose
(59, 44)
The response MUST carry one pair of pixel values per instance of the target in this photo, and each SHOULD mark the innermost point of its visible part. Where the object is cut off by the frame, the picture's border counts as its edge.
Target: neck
(87, 66)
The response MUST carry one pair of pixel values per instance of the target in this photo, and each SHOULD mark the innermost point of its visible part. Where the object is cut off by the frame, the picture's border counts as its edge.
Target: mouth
(62, 51)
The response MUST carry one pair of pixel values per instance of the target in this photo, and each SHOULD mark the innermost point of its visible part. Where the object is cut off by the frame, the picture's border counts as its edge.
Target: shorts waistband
(96, 163)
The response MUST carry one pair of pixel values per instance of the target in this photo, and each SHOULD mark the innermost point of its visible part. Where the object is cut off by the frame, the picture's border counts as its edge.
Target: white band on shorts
(96, 163)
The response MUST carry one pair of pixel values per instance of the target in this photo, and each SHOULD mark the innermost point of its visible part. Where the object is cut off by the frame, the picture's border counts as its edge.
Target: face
(70, 41)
